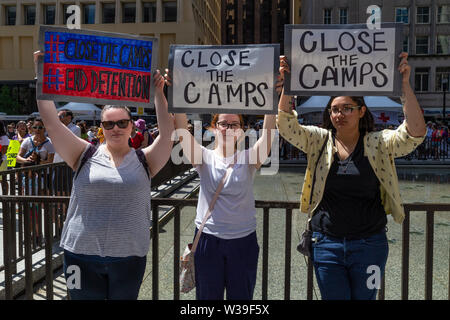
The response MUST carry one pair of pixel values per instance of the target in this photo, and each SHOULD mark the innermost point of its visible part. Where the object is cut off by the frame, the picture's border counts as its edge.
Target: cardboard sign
(224, 79)
(11, 153)
(343, 60)
(96, 67)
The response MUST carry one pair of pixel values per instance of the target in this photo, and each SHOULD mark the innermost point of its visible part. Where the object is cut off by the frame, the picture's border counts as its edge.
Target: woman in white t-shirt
(226, 257)
(37, 149)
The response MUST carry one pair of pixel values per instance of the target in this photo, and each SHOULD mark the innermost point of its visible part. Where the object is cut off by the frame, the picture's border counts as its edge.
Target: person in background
(136, 138)
(66, 117)
(142, 128)
(11, 130)
(4, 142)
(21, 132)
(83, 130)
(37, 149)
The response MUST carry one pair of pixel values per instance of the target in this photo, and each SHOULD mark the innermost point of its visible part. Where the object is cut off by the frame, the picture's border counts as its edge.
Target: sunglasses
(122, 124)
(38, 127)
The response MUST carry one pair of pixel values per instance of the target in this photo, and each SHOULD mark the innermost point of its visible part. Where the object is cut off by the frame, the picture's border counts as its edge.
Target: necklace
(350, 156)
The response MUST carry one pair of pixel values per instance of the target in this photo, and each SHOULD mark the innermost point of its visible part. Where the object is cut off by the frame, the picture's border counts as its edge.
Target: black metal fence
(46, 204)
(25, 220)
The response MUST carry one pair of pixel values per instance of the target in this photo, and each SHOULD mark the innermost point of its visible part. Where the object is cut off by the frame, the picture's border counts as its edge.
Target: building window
(29, 13)
(423, 14)
(89, 13)
(422, 45)
(170, 11)
(326, 16)
(109, 13)
(443, 14)
(65, 14)
(10, 12)
(405, 46)
(402, 15)
(421, 79)
(443, 45)
(441, 74)
(49, 14)
(343, 16)
(129, 12)
(149, 12)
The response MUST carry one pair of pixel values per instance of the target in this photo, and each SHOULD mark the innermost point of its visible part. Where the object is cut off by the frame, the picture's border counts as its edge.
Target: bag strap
(141, 156)
(88, 154)
(91, 150)
(211, 207)
(314, 179)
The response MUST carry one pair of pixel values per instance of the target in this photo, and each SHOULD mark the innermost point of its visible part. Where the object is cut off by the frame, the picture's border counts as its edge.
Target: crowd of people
(37, 148)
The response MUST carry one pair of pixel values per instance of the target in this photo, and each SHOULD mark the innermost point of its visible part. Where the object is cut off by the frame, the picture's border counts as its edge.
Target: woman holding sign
(106, 233)
(226, 257)
(350, 185)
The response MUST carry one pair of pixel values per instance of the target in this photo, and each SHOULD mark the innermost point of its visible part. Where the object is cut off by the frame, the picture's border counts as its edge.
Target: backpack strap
(86, 156)
(141, 156)
(91, 150)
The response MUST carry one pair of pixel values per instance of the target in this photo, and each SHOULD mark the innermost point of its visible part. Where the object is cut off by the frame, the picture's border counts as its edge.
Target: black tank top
(351, 205)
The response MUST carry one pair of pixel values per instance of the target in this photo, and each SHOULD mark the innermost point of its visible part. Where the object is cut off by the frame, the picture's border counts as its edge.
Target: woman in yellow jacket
(350, 185)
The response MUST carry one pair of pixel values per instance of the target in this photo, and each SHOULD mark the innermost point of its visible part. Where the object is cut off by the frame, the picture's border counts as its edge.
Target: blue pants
(103, 278)
(349, 269)
(226, 265)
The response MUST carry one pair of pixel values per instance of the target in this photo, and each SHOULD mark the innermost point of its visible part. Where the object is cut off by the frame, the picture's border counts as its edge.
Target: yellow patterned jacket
(380, 147)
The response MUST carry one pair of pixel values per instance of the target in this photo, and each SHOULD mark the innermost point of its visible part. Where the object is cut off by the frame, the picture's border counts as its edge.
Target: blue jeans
(349, 269)
(226, 265)
(103, 278)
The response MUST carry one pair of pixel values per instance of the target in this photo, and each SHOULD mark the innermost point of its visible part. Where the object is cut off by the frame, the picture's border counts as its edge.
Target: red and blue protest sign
(96, 67)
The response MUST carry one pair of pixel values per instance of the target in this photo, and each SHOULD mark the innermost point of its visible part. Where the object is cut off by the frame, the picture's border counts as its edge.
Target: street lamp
(444, 88)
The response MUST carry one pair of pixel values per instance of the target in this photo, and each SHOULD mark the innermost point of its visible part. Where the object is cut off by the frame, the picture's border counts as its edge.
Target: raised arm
(66, 144)
(158, 153)
(415, 123)
(296, 134)
(191, 148)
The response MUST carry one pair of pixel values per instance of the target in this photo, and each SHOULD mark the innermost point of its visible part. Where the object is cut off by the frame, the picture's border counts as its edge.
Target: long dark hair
(366, 123)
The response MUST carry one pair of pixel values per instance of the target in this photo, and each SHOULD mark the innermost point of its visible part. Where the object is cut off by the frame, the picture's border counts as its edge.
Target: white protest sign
(343, 59)
(224, 79)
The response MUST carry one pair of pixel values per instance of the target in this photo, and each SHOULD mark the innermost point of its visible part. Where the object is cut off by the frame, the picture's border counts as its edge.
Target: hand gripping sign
(96, 67)
(224, 79)
(343, 59)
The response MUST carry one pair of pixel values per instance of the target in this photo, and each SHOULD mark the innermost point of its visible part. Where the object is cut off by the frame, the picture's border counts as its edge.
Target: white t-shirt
(77, 131)
(4, 141)
(43, 151)
(234, 213)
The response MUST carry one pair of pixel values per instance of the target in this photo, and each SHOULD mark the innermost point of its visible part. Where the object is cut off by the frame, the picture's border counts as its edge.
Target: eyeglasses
(38, 127)
(122, 124)
(225, 125)
(345, 109)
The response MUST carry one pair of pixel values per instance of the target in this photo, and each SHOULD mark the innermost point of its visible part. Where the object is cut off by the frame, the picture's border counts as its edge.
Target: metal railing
(430, 209)
(46, 203)
(427, 150)
(27, 218)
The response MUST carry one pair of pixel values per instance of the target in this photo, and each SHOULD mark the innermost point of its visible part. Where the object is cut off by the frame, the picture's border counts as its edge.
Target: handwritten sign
(343, 59)
(11, 153)
(96, 67)
(224, 79)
